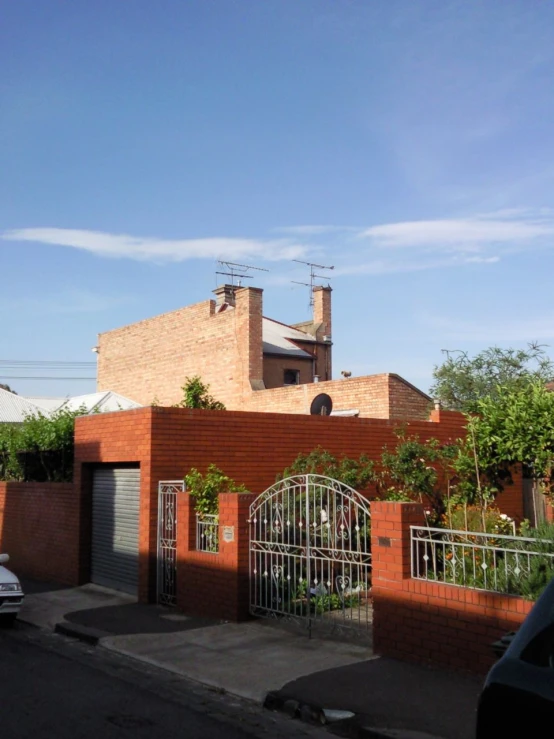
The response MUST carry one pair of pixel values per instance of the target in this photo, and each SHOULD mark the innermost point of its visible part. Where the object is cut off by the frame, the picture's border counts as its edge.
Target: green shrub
(356, 473)
(196, 395)
(41, 449)
(205, 488)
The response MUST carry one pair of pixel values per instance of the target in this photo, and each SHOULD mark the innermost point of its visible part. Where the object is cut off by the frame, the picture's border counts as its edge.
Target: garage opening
(115, 527)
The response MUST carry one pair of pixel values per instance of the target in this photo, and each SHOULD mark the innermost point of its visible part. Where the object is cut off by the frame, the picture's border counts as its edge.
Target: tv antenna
(313, 277)
(237, 271)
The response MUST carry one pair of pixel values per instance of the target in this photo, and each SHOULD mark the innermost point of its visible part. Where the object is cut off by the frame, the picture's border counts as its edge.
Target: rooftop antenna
(313, 277)
(238, 271)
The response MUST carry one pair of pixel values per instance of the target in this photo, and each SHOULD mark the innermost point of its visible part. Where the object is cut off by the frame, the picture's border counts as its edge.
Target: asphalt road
(52, 686)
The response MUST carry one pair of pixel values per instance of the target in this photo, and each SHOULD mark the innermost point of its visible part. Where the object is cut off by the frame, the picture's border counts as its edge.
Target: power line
(36, 377)
(43, 363)
(51, 366)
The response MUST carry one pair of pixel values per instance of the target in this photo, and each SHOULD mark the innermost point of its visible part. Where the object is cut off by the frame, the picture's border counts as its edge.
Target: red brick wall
(250, 447)
(253, 447)
(39, 529)
(430, 622)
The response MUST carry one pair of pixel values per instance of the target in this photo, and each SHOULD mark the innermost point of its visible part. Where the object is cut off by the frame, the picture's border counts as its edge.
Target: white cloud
(481, 260)
(468, 234)
(159, 250)
(480, 239)
(314, 230)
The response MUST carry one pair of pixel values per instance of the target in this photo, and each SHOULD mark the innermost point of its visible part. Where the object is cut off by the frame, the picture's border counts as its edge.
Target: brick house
(250, 362)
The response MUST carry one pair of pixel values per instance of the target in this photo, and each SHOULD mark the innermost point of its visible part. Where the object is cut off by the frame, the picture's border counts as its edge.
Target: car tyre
(8, 619)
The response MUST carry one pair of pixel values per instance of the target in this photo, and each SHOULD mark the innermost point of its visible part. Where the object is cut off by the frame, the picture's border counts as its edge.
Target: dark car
(518, 696)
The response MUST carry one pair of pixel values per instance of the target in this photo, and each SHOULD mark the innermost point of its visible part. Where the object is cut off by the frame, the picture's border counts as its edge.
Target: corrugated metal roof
(14, 408)
(103, 402)
(277, 339)
(48, 404)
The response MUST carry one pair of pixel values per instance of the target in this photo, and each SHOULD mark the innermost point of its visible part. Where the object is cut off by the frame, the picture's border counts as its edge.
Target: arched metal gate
(310, 555)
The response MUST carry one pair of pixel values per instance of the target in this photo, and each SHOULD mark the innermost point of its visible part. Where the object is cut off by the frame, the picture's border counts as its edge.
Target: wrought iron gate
(167, 540)
(310, 555)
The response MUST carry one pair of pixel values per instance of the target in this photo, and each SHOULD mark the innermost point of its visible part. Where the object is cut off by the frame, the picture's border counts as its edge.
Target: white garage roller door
(115, 528)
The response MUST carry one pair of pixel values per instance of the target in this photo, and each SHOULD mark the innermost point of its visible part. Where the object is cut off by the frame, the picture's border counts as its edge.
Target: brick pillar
(391, 566)
(249, 329)
(209, 584)
(234, 555)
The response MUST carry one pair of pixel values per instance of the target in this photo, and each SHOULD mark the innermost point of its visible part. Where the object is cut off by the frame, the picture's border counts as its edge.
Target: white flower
(324, 516)
(504, 517)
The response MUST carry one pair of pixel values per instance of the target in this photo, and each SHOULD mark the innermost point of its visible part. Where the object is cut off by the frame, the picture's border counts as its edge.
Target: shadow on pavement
(395, 695)
(136, 618)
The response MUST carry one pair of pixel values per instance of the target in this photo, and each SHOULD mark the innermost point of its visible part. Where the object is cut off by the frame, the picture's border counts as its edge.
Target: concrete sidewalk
(259, 661)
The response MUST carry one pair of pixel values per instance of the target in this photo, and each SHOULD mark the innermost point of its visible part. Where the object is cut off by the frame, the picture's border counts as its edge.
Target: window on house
(291, 377)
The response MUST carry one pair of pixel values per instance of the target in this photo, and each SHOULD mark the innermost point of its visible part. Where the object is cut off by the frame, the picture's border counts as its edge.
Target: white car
(11, 594)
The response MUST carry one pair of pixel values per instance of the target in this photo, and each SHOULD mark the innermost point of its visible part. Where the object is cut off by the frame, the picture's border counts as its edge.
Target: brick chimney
(224, 295)
(249, 332)
(322, 312)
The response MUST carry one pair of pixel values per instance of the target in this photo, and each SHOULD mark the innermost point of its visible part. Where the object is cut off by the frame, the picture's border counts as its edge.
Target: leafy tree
(461, 381)
(196, 395)
(7, 387)
(357, 473)
(514, 427)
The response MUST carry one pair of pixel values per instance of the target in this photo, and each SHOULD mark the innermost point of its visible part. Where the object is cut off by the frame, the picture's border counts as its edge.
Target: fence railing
(496, 562)
(207, 533)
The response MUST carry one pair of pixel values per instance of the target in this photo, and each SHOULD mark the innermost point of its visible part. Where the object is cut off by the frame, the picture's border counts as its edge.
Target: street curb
(352, 728)
(83, 633)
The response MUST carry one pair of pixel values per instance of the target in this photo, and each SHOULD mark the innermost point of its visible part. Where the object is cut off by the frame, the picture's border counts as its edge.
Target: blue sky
(409, 144)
